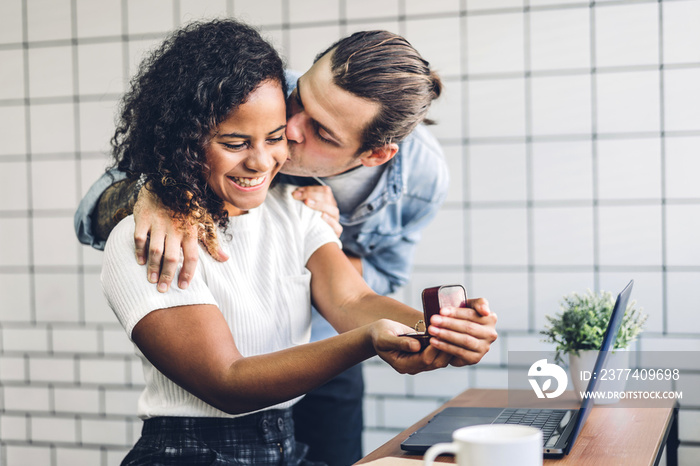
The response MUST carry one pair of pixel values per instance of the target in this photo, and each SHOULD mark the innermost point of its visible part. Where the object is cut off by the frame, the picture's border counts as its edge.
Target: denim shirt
(383, 231)
(82, 221)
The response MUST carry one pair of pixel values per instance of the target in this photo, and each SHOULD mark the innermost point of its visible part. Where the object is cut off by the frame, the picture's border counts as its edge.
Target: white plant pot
(609, 380)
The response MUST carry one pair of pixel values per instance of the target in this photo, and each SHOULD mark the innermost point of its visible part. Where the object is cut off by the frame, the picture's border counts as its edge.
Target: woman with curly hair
(226, 358)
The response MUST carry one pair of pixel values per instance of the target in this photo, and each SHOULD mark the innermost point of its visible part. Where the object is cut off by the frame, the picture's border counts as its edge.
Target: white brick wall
(444, 383)
(689, 425)
(53, 429)
(402, 412)
(55, 369)
(114, 456)
(75, 340)
(689, 384)
(14, 427)
(113, 342)
(22, 339)
(103, 371)
(381, 379)
(12, 368)
(21, 455)
(73, 456)
(104, 432)
(540, 178)
(77, 400)
(121, 401)
(26, 398)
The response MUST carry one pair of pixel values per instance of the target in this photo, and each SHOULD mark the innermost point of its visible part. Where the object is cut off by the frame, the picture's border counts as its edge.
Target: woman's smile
(248, 184)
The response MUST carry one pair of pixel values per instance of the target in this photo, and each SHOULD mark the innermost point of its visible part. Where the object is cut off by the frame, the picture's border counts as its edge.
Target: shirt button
(280, 424)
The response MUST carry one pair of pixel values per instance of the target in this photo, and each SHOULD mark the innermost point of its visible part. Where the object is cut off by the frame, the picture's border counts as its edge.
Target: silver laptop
(560, 427)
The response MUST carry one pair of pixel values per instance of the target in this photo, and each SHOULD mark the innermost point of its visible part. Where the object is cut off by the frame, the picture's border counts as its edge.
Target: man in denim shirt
(385, 185)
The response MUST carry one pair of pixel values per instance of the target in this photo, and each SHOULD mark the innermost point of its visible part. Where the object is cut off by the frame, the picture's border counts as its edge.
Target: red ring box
(434, 299)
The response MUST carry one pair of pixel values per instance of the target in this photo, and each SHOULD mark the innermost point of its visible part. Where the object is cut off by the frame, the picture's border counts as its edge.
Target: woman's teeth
(247, 182)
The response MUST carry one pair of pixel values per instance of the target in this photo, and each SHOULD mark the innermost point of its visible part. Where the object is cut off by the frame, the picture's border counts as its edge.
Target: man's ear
(379, 155)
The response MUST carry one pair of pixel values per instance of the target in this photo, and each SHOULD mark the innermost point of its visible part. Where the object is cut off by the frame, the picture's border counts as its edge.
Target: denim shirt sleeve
(425, 179)
(83, 215)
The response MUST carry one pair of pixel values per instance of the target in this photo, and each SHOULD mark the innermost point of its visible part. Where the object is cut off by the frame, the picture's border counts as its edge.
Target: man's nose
(295, 128)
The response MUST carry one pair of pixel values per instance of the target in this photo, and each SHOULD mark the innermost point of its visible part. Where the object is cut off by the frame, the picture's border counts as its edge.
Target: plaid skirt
(264, 438)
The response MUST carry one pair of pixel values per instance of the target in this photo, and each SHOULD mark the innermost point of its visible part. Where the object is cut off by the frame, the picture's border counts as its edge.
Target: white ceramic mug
(492, 445)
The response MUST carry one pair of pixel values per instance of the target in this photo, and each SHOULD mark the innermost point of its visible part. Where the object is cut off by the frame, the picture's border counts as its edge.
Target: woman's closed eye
(276, 140)
(245, 145)
(240, 146)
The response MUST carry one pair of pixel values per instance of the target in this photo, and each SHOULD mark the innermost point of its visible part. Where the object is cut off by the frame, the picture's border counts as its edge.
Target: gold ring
(418, 324)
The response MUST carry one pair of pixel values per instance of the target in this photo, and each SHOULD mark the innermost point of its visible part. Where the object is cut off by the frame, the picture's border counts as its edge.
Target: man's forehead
(321, 69)
(319, 76)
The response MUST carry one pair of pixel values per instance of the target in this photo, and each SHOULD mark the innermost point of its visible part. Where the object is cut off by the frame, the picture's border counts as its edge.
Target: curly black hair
(181, 93)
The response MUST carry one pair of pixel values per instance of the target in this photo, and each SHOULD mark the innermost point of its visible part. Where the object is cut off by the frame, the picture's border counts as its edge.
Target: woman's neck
(234, 211)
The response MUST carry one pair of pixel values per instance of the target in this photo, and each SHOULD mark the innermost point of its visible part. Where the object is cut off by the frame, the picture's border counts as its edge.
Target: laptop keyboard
(546, 420)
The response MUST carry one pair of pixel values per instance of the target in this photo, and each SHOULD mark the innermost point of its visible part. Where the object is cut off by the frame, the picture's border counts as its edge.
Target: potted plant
(578, 332)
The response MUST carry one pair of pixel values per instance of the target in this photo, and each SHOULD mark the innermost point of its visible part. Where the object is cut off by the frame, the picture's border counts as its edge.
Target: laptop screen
(608, 344)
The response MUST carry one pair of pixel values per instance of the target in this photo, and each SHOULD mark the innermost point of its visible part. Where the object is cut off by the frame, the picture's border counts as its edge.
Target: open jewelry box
(434, 299)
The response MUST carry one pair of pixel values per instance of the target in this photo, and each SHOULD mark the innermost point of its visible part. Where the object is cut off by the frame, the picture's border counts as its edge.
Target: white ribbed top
(262, 290)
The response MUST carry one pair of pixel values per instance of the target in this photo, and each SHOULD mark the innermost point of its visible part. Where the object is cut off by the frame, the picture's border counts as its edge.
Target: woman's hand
(164, 236)
(404, 353)
(464, 333)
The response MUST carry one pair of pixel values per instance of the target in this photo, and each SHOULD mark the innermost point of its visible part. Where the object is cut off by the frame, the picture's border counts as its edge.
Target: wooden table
(623, 434)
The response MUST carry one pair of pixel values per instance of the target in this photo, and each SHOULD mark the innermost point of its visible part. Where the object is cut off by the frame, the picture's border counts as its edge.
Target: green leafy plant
(582, 323)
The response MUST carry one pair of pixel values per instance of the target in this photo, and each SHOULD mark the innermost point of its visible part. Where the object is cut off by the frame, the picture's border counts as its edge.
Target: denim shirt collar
(388, 190)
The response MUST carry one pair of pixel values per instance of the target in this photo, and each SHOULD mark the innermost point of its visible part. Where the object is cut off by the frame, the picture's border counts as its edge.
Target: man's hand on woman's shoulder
(159, 237)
